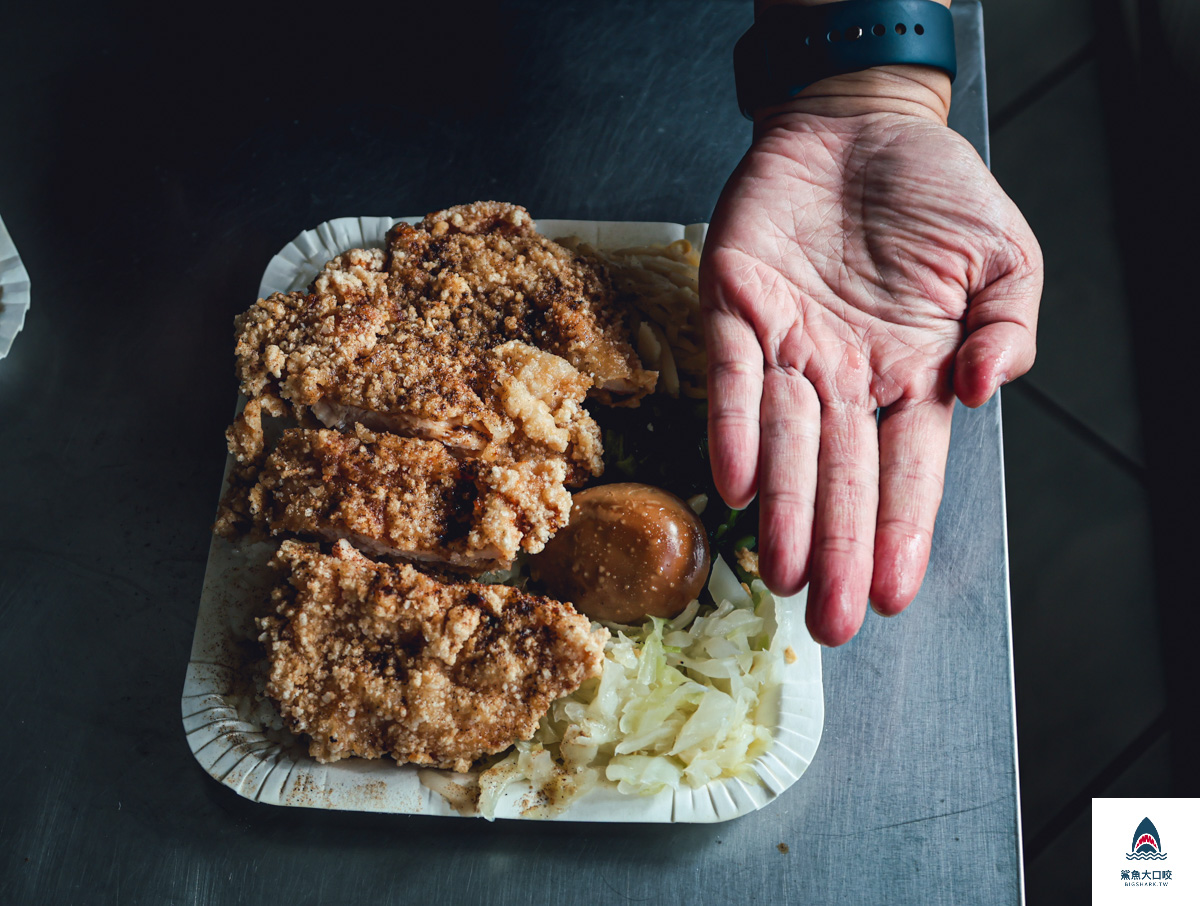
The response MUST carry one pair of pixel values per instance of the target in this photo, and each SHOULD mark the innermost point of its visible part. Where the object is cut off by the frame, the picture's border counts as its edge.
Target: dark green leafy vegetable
(727, 526)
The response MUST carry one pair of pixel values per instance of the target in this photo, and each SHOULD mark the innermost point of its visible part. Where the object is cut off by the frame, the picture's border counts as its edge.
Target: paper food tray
(266, 766)
(14, 292)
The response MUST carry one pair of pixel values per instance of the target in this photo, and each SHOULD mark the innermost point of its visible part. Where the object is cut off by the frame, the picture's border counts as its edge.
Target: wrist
(907, 90)
(913, 90)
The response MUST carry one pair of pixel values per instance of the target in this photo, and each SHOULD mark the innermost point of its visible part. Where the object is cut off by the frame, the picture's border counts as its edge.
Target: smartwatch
(790, 47)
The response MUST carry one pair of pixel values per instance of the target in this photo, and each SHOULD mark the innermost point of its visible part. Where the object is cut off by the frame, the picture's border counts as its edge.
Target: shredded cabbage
(679, 703)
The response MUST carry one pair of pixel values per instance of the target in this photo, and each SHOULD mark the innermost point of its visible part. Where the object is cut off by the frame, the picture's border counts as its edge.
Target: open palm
(856, 264)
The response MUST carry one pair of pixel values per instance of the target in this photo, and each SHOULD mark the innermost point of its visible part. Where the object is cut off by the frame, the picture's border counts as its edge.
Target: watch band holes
(919, 29)
(900, 29)
(878, 30)
(853, 33)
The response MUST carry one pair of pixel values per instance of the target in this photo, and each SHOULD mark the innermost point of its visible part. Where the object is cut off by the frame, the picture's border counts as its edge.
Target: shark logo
(1147, 844)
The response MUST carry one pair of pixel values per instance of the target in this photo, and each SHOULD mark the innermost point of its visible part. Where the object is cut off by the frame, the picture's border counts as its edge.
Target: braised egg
(629, 551)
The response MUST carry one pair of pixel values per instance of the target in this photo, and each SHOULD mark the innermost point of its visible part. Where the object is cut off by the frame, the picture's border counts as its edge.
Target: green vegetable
(727, 526)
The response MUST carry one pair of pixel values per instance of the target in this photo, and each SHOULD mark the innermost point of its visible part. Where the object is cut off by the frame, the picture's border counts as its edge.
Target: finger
(844, 532)
(989, 358)
(787, 478)
(735, 383)
(1002, 324)
(913, 442)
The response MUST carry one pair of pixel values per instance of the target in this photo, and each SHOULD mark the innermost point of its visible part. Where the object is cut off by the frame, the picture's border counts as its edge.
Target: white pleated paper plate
(266, 766)
(14, 292)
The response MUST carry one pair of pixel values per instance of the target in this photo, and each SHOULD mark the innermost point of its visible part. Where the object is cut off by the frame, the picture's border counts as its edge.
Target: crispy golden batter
(484, 273)
(303, 341)
(373, 660)
(408, 498)
(341, 356)
(340, 352)
(542, 395)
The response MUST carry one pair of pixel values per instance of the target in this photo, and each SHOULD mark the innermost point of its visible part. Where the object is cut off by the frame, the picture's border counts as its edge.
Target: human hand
(861, 257)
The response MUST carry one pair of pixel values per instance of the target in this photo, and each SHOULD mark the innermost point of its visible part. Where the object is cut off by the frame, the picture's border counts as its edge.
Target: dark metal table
(149, 167)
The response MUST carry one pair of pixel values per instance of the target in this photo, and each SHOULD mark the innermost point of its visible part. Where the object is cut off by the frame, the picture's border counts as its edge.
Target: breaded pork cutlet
(483, 272)
(340, 354)
(373, 660)
(402, 497)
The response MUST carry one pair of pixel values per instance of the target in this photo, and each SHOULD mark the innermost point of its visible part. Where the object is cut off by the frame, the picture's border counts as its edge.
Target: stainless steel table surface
(149, 167)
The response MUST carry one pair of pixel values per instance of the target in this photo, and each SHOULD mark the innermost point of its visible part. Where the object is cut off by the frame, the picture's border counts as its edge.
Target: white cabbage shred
(679, 703)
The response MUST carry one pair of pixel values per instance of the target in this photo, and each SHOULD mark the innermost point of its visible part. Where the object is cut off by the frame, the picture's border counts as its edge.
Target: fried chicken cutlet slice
(339, 353)
(403, 497)
(334, 350)
(372, 660)
(484, 271)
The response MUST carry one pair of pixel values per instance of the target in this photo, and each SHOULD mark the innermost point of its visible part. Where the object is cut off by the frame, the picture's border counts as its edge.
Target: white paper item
(251, 759)
(14, 292)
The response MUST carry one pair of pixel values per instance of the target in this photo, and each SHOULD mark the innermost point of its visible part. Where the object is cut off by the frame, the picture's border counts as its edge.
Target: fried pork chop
(409, 498)
(373, 660)
(484, 272)
(339, 353)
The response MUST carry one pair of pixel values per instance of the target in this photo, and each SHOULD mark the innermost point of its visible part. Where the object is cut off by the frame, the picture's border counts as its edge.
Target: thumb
(1001, 327)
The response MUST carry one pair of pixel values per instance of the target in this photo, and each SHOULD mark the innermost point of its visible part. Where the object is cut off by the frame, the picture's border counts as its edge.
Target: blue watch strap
(790, 47)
